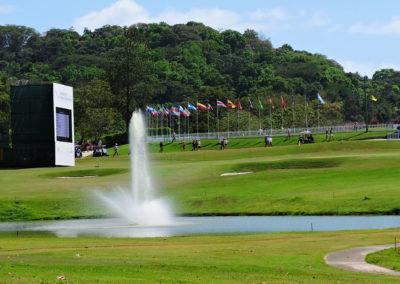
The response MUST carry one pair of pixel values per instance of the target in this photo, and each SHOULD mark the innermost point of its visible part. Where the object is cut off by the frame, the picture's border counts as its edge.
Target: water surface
(184, 226)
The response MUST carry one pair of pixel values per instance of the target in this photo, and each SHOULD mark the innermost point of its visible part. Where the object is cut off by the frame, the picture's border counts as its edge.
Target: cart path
(354, 260)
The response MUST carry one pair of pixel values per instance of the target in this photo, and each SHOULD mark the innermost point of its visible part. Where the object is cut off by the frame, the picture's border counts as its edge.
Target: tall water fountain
(139, 203)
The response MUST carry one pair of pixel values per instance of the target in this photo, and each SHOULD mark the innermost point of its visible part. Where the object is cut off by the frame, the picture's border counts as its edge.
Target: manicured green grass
(389, 258)
(237, 143)
(340, 177)
(259, 258)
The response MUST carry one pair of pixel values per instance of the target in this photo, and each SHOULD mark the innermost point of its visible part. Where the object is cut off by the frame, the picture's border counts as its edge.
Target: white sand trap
(236, 174)
(77, 177)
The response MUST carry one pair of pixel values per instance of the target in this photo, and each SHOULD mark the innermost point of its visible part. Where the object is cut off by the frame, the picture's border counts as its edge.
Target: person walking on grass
(115, 150)
(161, 147)
(183, 146)
(326, 134)
(331, 133)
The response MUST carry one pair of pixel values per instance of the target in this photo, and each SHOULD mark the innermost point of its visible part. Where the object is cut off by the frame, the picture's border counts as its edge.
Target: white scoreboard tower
(63, 109)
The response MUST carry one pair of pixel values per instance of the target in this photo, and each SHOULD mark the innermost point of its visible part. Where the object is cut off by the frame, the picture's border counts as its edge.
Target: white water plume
(139, 203)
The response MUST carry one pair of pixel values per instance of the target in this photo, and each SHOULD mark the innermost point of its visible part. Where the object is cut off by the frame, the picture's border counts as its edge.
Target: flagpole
(305, 108)
(282, 118)
(249, 119)
(270, 115)
(237, 109)
(217, 120)
(259, 113)
(197, 120)
(188, 124)
(293, 106)
(208, 122)
(228, 120)
(318, 113)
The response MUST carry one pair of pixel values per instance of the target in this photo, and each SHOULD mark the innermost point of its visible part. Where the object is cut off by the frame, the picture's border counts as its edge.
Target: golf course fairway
(259, 258)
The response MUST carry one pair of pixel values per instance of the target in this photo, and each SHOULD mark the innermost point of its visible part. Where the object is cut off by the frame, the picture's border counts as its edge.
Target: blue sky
(363, 36)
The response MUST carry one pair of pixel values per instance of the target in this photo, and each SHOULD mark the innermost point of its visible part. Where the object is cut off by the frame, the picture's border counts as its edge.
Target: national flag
(320, 99)
(187, 112)
(250, 104)
(240, 106)
(373, 98)
(155, 112)
(174, 111)
(220, 104)
(230, 104)
(183, 111)
(201, 106)
(190, 106)
(260, 104)
(283, 102)
(180, 109)
(271, 102)
(165, 111)
(160, 111)
(149, 109)
(210, 107)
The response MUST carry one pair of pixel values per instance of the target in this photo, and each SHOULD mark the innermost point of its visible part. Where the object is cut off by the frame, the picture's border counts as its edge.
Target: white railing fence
(275, 132)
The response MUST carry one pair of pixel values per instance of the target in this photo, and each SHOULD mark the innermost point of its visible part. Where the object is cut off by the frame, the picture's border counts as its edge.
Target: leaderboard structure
(42, 126)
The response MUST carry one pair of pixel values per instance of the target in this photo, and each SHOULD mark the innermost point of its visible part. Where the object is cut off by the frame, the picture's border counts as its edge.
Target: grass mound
(389, 258)
(85, 173)
(288, 164)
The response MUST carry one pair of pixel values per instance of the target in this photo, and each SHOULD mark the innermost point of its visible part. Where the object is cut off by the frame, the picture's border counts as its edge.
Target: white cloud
(318, 19)
(122, 13)
(127, 12)
(214, 17)
(367, 69)
(271, 15)
(388, 28)
(7, 9)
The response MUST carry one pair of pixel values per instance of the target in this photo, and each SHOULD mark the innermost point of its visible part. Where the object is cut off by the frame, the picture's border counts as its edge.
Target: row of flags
(179, 110)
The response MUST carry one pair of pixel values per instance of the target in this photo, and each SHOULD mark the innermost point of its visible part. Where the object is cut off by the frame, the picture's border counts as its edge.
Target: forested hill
(116, 69)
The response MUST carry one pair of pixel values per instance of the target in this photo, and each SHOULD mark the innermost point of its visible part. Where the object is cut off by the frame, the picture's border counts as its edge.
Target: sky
(362, 36)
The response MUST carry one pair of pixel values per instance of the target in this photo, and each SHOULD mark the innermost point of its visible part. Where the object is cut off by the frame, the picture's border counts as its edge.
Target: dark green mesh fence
(32, 132)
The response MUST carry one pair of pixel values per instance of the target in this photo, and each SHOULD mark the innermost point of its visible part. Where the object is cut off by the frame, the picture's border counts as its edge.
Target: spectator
(198, 144)
(270, 141)
(225, 143)
(331, 133)
(326, 134)
(266, 140)
(183, 146)
(99, 143)
(194, 145)
(173, 136)
(161, 147)
(289, 131)
(221, 142)
(116, 150)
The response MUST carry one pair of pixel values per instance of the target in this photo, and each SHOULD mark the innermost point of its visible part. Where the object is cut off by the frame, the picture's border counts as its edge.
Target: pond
(184, 226)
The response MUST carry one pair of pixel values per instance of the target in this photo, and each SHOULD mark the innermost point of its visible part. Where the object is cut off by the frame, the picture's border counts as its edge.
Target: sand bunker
(78, 177)
(236, 174)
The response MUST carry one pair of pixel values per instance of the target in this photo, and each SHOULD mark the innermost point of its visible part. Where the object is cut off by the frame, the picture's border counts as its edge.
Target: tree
(94, 115)
(130, 72)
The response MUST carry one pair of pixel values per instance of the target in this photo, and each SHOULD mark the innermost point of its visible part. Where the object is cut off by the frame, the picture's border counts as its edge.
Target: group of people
(329, 134)
(223, 142)
(196, 144)
(98, 148)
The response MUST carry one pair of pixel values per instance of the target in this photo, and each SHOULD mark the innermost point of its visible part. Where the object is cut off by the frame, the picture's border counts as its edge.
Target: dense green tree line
(116, 69)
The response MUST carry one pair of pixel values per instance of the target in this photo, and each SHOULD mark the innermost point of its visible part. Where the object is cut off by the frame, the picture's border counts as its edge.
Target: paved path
(354, 260)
